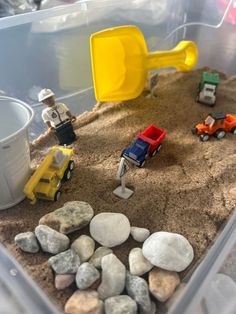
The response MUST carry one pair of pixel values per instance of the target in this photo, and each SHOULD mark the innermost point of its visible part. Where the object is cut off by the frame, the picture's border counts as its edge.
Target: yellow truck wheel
(67, 175)
(57, 196)
(71, 165)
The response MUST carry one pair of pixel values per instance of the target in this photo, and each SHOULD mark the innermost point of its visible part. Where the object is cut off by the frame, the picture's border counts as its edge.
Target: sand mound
(189, 188)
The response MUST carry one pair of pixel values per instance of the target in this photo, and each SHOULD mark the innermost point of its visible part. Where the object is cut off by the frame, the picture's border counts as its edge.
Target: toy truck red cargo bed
(153, 136)
(147, 144)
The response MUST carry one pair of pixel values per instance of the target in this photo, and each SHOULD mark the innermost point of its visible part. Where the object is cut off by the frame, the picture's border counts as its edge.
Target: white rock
(170, 251)
(120, 304)
(138, 264)
(86, 275)
(139, 234)
(96, 259)
(110, 229)
(84, 246)
(113, 277)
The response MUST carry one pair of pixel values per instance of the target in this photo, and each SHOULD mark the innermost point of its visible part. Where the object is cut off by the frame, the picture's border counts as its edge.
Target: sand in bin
(188, 188)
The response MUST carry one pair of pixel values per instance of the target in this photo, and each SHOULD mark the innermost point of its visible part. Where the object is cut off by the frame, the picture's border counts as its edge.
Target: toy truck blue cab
(136, 153)
(148, 143)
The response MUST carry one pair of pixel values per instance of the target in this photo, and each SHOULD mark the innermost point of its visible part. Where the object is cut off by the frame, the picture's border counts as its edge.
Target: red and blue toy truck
(148, 143)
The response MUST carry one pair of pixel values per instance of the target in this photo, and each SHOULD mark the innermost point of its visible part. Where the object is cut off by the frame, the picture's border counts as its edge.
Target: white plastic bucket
(15, 117)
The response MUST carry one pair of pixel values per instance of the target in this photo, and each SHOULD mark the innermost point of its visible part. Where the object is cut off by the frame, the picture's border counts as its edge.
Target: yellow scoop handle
(120, 61)
(183, 57)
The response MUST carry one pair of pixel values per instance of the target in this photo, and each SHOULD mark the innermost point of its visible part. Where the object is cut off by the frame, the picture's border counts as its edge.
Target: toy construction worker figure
(57, 117)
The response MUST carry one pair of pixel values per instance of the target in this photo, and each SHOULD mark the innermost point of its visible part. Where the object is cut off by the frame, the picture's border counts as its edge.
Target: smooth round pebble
(110, 229)
(138, 264)
(139, 234)
(169, 251)
(84, 246)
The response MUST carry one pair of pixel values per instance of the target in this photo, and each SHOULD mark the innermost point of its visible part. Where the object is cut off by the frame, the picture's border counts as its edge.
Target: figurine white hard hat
(45, 93)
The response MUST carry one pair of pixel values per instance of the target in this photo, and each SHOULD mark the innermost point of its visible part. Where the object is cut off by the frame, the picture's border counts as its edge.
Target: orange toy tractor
(216, 124)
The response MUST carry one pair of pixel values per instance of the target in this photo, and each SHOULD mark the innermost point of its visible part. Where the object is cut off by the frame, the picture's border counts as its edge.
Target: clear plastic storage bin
(50, 48)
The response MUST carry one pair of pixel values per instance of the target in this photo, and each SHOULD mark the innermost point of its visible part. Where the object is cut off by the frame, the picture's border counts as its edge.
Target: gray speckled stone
(27, 242)
(86, 275)
(153, 309)
(137, 289)
(121, 304)
(100, 252)
(50, 240)
(72, 216)
(65, 263)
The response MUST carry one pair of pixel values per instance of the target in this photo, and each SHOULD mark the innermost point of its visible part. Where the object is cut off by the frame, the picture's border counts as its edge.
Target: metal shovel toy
(120, 62)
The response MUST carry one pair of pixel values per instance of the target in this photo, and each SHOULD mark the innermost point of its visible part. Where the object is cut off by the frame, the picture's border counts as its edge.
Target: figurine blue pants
(65, 133)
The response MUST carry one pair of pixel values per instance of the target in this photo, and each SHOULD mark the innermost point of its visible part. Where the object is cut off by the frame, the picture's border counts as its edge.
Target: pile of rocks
(104, 284)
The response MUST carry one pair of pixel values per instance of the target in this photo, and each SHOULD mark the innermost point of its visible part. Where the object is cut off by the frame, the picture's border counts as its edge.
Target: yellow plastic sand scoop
(120, 62)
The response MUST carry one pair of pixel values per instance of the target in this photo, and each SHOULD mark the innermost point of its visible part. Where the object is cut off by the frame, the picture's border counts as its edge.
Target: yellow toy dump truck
(45, 183)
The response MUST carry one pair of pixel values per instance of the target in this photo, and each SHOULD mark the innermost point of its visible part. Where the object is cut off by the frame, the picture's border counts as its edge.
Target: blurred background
(46, 42)
(12, 7)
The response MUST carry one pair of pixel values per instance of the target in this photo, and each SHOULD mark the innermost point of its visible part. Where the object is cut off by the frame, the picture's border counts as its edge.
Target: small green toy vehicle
(207, 88)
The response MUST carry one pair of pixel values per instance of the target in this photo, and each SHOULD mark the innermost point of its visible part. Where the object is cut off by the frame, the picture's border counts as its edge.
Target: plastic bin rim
(25, 126)
(30, 17)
